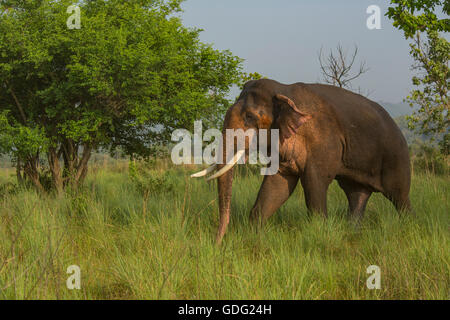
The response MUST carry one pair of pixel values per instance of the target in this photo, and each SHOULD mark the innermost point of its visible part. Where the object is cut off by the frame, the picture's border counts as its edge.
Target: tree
(126, 79)
(419, 22)
(246, 77)
(412, 16)
(337, 67)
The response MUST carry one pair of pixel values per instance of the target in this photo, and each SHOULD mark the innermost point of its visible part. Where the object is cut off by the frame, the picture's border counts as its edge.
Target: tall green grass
(167, 250)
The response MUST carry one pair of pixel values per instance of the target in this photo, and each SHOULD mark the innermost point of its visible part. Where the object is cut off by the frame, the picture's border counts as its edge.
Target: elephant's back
(370, 135)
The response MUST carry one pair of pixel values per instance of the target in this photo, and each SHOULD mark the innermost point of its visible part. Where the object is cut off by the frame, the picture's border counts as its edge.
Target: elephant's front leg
(274, 191)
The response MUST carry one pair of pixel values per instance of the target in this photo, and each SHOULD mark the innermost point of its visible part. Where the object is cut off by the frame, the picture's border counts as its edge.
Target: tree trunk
(70, 154)
(55, 169)
(31, 172)
(82, 167)
(75, 168)
(20, 176)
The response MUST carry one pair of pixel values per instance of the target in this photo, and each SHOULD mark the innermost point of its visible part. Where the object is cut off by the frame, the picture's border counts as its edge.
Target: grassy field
(164, 249)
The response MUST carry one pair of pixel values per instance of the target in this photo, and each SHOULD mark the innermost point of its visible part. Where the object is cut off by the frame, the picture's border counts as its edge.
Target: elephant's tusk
(228, 166)
(204, 172)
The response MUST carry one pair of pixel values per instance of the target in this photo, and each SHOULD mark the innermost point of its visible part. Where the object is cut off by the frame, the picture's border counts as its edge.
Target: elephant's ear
(288, 117)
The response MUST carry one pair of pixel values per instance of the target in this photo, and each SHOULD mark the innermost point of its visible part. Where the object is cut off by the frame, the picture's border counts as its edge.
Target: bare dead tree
(337, 67)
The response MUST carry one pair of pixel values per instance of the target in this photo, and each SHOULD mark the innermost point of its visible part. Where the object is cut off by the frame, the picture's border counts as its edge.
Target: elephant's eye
(250, 117)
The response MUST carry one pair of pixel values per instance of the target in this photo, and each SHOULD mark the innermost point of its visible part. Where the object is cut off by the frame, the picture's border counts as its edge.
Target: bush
(148, 180)
(8, 188)
(429, 159)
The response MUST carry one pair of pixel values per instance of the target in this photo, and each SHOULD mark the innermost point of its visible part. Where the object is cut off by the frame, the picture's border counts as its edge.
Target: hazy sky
(281, 38)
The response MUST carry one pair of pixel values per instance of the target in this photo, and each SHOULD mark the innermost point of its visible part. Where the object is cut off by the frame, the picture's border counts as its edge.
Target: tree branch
(19, 105)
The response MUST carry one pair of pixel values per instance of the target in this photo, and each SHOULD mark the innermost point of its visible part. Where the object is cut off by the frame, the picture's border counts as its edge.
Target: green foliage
(432, 92)
(427, 158)
(148, 180)
(130, 76)
(19, 140)
(431, 61)
(444, 145)
(246, 77)
(8, 189)
(414, 16)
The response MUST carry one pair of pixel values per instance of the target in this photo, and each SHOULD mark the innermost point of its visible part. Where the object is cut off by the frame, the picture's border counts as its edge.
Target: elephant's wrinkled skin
(326, 133)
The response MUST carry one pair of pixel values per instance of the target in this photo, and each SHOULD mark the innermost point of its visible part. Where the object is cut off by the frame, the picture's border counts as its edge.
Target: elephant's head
(263, 104)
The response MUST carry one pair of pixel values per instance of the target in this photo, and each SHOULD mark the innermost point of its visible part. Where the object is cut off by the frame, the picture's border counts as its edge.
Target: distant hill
(396, 109)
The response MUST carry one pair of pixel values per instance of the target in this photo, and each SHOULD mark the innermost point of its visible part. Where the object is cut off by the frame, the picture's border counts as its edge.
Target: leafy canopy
(127, 78)
(420, 21)
(414, 16)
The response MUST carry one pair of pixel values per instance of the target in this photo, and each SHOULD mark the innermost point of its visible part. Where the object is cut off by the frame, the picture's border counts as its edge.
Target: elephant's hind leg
(357, 196)
(274, 191)
(396, 187)
(401, 201)
(315, 186)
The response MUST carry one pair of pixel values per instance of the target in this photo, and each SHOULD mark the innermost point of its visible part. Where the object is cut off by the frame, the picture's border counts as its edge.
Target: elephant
(326, 133)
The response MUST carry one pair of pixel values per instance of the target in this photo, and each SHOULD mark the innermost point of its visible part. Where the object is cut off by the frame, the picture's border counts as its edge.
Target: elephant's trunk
(224, 183)
(224, 174)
